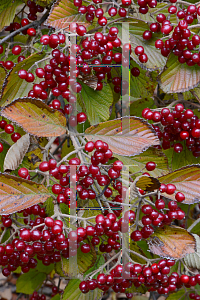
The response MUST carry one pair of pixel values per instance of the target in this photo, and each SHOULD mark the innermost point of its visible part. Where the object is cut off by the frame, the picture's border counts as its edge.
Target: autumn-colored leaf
(16, 153)
(17, 194)
(15, 87)
(187, 181)
(127, 143)
(63, 13)
(172, 241)
(178, 78)
(147, 183)
(35, 117)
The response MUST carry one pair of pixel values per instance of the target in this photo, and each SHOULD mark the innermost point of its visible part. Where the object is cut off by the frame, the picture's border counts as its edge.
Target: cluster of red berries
(144, 5)
(121, 278)
(9, 129)
(36, 296)
(194, 296)
(155, 277)
(176, 125)
(182, 42)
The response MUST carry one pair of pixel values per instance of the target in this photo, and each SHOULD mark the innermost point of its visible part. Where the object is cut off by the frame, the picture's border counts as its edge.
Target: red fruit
(31, 31)
(150, 166)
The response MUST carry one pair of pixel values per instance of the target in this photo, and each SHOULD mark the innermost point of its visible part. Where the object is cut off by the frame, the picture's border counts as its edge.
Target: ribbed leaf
(96, 103)
(138, 162)
(35, 117)
(127, 143)
(16, 153)
(193, 260)
(187, 181)
(15, 87)
(63, 13)
(3, 74)
(177, 295)
(72, 292)
(7, 11)
(178, 78)
(155, 59)
(17, 194)
(172, 241)
(29, 282)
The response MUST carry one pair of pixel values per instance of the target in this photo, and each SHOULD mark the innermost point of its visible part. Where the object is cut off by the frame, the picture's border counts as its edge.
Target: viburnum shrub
(100, 148)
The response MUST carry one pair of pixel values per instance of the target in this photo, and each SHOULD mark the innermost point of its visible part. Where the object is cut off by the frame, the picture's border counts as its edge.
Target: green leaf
(92, 211)
(56, 297)
(138, 162)
(83, 262)
(100, 260)
(179, 160)
(49, 207)
(44, 269)
(178, 78)
(29, 282)
(196, 229)
(155, 60)
(3, 74)
(72, 292)
(177, 295)
(15, 87)
(67, 148)
(35, 117)
(96, 103)
(142, 86)
(7, 11)
(137, 106)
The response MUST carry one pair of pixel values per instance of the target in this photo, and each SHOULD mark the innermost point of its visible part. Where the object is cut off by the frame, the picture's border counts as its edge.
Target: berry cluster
(175, 126)
(9, 129)
(194, 296)
(155, 277)
(181, 42)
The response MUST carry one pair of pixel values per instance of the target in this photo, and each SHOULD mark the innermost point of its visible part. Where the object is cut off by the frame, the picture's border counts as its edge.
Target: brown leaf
(147, 183)
(16, 153)
(35, 117)
(17, 194)
(127, 143)
(63, 13)
(187, 181)
(172, 241)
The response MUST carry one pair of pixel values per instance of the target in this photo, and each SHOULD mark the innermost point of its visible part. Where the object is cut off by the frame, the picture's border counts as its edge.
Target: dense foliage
(100, 147)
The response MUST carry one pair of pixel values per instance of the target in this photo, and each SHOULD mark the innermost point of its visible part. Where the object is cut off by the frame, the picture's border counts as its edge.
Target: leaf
(44, 269)
(63, 13)
(137, 106)
(17, 194)
(193, 260)
(16, 153)
(138, 162)
(172, 241)
(100, 261)
(155, 60)
(187, 181)
(177, 295)
(15, 87)
(83, 262)
(143, 85)
(127, 143)
(147, 183)
(35, 117)
(56, 297)
(29, 282)
(8, 9)
(67, 148)
(3, 74)
(96, 103)
(72, 292)
(178, 78)
(49, 207)
(3, 155)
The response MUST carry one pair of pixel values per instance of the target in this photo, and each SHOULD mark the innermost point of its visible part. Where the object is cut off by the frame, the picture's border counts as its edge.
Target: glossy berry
(150, 166)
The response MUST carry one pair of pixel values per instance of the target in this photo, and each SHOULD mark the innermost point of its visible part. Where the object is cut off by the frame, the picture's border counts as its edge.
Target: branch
(30, 25)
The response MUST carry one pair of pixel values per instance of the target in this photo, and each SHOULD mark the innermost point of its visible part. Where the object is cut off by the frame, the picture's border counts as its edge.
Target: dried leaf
(147, 183)
(127, 143)
(193, 260)
(178, 78)
(17, 194)
(187, 181)
(63, 13)
(35, 117)
(16, 153)
(172, 241)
